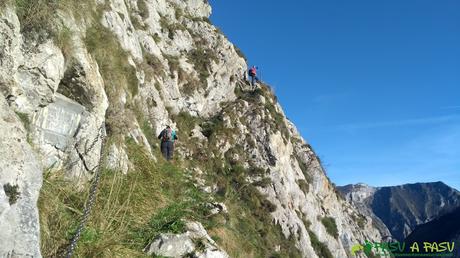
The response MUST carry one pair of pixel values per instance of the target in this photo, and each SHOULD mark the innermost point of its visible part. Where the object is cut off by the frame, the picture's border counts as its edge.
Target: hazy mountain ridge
(402, 208)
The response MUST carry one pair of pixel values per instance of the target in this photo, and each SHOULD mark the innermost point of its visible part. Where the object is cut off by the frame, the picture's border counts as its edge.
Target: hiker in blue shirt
(167, 137)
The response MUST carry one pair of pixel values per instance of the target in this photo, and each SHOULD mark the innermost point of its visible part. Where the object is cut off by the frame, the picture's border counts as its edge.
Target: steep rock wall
(20, 182)
(128, 68)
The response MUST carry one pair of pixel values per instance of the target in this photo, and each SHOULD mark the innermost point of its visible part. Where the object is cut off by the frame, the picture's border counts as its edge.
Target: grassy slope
(154, 197)
(129, 210)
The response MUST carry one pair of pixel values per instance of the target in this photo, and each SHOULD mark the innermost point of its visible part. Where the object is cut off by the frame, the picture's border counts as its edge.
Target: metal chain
(87, 150)
(92, 194)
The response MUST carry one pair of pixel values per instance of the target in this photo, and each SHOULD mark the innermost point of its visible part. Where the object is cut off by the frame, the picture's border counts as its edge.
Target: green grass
(154, 64)
(198, 19)
(305, 169)
(190, 87)
(129, 210)
(360, 220)
(211, 126)
(278, 120)
(146, 126)
(319, 247)
(173, 63)
(136, 22)
(112, 60)
(185, 123)
(25, 120)
(171, 218)
(178, 12)
(156, 38)
(38, 17)
(63, 40)
(171, 28)
(331, 226)
(3, 4)
(143, 13)
(119, 76)
(143, 9)
(201, 59)
(306, 222)
(250, 96)
(304, 186)
(191, 83)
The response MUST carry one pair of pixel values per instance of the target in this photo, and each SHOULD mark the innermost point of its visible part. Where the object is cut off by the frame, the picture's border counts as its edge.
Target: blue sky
(374, 86)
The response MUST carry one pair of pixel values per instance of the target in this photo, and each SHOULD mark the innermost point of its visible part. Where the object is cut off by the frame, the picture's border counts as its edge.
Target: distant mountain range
(400, 209)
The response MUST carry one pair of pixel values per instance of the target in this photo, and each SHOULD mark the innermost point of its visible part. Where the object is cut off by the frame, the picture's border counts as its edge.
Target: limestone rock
(20, 182)
(54, 127)
(171, 245)
(117, 159)
(179, 245)
(196, 133)
(116, 20)
(39, 76)
(217, 208)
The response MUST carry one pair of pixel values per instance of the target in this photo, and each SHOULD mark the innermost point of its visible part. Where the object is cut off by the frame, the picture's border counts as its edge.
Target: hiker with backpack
(167, 137)
(253, 75)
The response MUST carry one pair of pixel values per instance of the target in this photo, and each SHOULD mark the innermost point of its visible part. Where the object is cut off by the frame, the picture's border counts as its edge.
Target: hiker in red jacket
(253, 74)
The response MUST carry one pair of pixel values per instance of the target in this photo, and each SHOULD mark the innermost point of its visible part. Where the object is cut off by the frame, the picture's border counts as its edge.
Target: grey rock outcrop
(195, 242)
(56, 124)
(290, 164)
(360, 195)
(20, 182)
(31, 77)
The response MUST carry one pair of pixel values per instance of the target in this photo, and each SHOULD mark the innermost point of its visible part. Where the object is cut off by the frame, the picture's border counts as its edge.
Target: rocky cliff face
(80, 73)
(402, 208)
(20, 182)
(361, 196)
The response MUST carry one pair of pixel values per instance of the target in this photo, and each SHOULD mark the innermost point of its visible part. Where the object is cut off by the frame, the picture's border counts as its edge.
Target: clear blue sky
(374, 86)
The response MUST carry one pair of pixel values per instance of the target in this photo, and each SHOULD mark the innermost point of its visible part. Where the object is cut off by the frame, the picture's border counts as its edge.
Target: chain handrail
(92, 192)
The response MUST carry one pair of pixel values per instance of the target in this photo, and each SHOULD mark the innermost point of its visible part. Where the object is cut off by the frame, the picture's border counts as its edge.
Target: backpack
(252, 71)
(167, 135)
